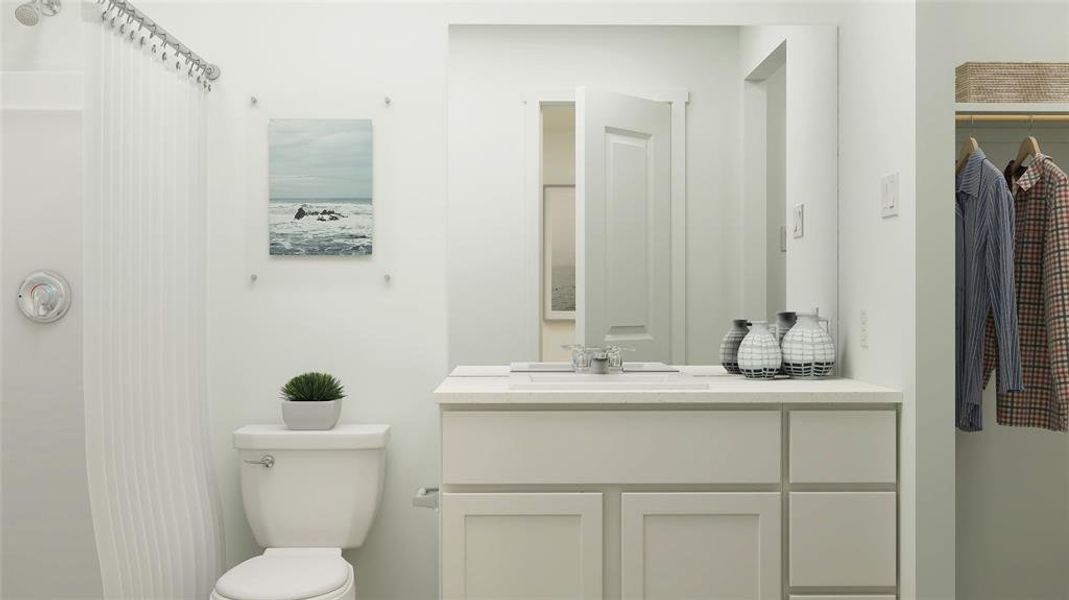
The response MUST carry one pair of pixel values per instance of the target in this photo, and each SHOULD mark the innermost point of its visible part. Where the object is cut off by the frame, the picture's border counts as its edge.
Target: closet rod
(1005, 117)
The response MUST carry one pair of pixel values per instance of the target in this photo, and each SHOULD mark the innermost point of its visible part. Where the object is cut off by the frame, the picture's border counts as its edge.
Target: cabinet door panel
(701, 545)
(843, 539)
(521, 546)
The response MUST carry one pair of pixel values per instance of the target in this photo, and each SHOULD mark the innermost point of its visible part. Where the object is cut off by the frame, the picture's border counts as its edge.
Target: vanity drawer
(843, 539)
(604, 447)
(845, 446)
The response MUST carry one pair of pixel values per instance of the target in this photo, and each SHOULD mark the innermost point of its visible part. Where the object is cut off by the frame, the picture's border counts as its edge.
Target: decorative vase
(759, 353)
(311, 415)
(808, 350)
(729, 346)
(784, 321)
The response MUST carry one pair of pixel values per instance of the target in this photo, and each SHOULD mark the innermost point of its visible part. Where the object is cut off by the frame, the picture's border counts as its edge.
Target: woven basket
(1012, 82)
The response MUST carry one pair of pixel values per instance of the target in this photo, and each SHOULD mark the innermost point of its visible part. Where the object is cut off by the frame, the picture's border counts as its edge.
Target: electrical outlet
(798, 220)
(864, 318)
(889, 196)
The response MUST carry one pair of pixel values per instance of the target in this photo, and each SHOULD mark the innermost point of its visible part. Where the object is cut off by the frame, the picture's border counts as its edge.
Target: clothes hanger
(970, 146)
(1029, 147)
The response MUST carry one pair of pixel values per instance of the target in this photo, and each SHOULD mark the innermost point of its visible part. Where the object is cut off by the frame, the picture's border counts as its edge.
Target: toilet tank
(322, 488)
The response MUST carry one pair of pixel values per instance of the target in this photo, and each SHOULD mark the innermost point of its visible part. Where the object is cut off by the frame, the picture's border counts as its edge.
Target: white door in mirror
(44, 296)
(624, 205)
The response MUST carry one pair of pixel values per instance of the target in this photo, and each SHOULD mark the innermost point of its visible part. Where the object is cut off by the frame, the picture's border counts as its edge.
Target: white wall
(384, 340)
(492, 70)
(876, 61)
(388, 341)
(1012, 500)
(877, 264)
(810, 136)
(48, 549)
(775, 192)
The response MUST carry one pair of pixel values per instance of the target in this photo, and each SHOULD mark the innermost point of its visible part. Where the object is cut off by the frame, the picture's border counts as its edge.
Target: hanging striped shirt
(984, 284)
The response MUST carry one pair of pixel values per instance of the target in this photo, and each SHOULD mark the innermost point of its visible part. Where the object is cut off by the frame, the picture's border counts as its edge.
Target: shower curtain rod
(125, 10)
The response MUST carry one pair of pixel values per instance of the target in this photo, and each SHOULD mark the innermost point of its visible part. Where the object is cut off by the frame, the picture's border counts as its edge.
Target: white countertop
(487, 385)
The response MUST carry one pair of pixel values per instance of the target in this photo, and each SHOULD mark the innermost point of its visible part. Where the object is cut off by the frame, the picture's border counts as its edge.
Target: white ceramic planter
(311, 415)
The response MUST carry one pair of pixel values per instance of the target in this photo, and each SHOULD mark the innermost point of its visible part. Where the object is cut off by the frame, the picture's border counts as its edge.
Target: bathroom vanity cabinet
(746, 489)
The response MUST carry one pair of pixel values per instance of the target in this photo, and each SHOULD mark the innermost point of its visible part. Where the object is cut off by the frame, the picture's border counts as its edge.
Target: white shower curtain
(155, 507)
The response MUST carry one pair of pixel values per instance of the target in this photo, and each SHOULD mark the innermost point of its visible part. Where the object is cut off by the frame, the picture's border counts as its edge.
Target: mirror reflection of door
(558, 230)
(608, 280)
(624, 205)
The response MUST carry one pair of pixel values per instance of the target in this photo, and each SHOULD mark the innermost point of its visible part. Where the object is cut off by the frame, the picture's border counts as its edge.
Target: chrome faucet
(598, 360)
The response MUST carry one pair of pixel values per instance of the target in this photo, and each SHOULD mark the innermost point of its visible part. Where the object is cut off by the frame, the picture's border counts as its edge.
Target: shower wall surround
(156, 510)
(47, 544)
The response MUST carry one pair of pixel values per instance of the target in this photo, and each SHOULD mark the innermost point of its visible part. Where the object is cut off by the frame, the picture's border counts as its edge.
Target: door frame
(533, 101)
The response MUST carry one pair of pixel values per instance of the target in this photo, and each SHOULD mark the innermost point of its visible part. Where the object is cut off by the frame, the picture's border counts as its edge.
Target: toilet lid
(288, 576)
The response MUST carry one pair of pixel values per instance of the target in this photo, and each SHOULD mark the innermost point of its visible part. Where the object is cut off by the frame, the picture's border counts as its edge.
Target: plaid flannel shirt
(1041, 267)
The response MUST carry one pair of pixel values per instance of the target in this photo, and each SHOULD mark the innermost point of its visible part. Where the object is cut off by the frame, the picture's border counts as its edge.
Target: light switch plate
(798, 220)
(889, 196)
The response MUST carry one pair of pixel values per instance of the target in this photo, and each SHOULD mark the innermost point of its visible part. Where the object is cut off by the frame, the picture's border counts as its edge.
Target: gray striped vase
(729, 346)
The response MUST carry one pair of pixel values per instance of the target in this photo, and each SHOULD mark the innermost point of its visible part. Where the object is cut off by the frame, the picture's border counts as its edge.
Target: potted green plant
(312, 401)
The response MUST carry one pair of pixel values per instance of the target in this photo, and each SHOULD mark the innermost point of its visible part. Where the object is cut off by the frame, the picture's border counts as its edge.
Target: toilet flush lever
(426, 498)
(267, 461)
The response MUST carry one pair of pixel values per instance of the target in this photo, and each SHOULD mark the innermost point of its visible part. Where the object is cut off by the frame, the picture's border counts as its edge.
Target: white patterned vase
(759, 353)
(808, 350)
(784, 321)
(729, 346)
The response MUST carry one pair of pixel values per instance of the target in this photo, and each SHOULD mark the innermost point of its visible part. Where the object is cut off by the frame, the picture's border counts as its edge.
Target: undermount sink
(611, 381)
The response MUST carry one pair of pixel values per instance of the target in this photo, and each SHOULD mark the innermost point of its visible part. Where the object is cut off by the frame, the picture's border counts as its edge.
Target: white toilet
(307, 495)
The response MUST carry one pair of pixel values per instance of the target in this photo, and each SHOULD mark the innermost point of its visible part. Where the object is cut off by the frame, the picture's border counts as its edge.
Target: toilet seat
(288, 574)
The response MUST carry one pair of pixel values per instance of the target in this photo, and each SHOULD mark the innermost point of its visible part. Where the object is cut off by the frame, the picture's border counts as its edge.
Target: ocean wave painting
(320, 187)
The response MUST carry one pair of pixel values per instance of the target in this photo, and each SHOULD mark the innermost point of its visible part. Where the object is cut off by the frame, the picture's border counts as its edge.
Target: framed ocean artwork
(320, 194)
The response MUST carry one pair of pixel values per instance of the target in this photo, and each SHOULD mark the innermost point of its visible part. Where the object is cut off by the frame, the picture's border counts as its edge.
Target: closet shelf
(993, 108)
(979, 112)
